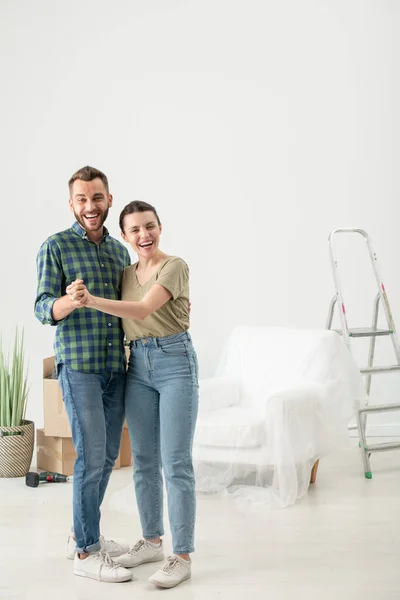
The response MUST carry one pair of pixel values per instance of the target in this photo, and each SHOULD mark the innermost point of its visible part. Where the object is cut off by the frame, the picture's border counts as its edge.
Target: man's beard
(82, 223)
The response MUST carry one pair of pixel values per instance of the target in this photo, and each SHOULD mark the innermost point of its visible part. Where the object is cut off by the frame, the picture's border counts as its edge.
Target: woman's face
(142, 232)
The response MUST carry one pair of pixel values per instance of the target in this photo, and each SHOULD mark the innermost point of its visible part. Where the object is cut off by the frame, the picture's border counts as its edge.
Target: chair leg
(314, 471)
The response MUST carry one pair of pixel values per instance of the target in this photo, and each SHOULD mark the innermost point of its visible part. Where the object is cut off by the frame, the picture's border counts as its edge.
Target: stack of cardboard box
(54, 447)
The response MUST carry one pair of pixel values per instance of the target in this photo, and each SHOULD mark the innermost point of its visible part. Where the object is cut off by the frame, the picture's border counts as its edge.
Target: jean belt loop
(188, 336)
(156, 343)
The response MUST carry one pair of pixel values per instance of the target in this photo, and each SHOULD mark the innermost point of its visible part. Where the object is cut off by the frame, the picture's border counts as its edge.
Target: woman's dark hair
(134, 207)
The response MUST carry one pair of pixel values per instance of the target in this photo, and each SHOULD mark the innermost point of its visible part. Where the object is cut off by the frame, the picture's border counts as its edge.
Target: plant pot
(16, 449)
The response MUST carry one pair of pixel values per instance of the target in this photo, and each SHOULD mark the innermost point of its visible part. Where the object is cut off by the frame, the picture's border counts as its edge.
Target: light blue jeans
(95, 408)
(161, 401)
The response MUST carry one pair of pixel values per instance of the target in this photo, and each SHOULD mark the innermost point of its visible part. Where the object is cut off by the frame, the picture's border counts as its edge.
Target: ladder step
(379, 408)
(357, 332)
(382, 369)
(383, 446)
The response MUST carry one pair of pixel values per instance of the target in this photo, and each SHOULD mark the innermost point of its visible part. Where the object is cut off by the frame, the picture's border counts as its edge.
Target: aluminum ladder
(366, 332)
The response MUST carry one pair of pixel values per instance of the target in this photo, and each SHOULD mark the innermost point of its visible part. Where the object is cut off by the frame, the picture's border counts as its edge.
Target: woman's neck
(146, 264)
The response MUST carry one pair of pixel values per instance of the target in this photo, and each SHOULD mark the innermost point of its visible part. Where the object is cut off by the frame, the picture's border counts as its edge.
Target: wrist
(91, 301)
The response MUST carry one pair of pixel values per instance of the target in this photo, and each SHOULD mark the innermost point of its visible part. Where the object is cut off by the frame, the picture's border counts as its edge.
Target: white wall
(255, 127)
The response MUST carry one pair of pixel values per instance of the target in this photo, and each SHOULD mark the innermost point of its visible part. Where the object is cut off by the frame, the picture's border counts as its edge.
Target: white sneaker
(112, 548)
(100, 566)
(142, 552)
(175, 570)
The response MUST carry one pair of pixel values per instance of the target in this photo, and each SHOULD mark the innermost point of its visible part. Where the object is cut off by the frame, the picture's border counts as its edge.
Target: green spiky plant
(13, 384)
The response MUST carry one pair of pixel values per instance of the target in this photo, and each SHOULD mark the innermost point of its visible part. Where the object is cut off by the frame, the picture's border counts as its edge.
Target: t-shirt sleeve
(174, 276)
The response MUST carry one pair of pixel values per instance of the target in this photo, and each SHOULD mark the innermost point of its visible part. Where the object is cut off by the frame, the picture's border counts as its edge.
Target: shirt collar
(82, 233)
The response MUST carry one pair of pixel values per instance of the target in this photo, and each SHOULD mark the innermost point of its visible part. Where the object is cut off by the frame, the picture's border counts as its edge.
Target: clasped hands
(78, 293)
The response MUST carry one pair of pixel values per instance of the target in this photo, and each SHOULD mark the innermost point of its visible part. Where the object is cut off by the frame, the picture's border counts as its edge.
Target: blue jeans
(161, 402)
(95, 408)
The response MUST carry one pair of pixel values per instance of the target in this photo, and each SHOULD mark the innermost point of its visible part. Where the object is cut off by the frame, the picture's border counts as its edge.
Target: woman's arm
(155, 298)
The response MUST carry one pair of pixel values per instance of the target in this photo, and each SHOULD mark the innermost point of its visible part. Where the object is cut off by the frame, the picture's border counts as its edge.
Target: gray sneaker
(172, 573)
(100, 566)
(142, 552)
(112, 548)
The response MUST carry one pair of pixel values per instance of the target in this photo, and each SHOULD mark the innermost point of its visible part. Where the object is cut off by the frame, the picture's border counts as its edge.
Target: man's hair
(88, 174)
(134, 207)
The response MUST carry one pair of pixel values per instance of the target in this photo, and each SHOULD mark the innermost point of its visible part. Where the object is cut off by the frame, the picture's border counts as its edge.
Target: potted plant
(16, 434)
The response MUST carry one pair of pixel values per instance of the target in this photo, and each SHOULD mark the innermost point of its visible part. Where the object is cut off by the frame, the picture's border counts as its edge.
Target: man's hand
(78, 294)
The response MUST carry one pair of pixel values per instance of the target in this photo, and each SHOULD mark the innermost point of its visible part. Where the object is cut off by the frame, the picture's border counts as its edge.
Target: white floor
(342, 541)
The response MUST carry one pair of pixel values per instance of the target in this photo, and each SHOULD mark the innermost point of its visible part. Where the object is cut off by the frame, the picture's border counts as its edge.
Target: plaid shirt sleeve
(50, 282)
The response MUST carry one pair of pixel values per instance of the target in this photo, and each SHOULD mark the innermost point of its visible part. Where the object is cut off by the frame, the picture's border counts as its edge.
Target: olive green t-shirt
(173, 316)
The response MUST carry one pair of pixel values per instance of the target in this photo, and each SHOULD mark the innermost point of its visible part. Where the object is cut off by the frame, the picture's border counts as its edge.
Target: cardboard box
(58, 453)
(125, 450)
(54, 453)
(56, 422)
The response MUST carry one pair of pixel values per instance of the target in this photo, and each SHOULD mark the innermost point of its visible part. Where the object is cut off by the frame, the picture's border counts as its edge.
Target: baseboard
(387, 430)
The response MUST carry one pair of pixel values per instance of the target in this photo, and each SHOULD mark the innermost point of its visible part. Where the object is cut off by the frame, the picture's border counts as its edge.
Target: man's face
(90, 203)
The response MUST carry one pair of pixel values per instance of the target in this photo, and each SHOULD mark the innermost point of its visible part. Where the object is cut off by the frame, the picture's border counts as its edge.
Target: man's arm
(63, 307)
(50, 306)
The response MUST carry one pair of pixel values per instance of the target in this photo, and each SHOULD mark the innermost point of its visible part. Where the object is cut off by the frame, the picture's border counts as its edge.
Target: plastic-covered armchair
(281, 400)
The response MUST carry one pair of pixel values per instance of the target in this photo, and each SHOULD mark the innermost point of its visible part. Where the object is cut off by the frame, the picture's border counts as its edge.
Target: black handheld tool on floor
(33, 479)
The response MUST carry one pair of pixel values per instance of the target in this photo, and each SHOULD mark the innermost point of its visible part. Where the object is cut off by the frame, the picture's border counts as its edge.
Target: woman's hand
(79, 294)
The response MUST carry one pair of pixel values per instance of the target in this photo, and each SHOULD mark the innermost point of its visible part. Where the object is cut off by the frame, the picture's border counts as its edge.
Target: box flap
(48, 366)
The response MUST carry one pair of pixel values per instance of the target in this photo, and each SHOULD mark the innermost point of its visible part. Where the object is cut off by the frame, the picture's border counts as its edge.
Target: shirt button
(109, 324)
(110, 344)
(102, 264)
(106, 284)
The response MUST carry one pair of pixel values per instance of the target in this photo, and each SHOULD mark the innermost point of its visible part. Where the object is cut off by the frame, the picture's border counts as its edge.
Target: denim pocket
(196, 364)
(174, 349)
(63, 381)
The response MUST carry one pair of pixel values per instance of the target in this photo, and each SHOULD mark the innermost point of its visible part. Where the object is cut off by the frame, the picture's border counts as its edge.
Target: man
(90, 361)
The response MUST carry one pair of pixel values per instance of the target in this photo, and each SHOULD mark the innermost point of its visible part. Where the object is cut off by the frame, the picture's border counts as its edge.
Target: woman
(161, 398)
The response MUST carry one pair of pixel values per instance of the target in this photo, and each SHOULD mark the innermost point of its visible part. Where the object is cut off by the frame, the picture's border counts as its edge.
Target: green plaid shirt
(86, 340)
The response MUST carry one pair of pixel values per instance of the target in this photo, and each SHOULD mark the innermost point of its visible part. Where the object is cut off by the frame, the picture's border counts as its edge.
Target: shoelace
(111, 542)
(137, 547)
(170, 565)
(106, 561)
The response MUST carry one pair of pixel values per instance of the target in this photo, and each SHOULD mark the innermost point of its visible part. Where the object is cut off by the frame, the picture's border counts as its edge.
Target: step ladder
(366, 332)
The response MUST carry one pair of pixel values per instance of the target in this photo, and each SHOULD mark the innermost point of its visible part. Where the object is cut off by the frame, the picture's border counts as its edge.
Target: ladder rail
(371, 355)
(331, 310)
(385, 302)
(381, 298)
(381, 287)
(338, 288)
(372, 341)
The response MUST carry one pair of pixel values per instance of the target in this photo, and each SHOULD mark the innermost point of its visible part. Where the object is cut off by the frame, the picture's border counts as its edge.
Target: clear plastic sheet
(281, 399)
